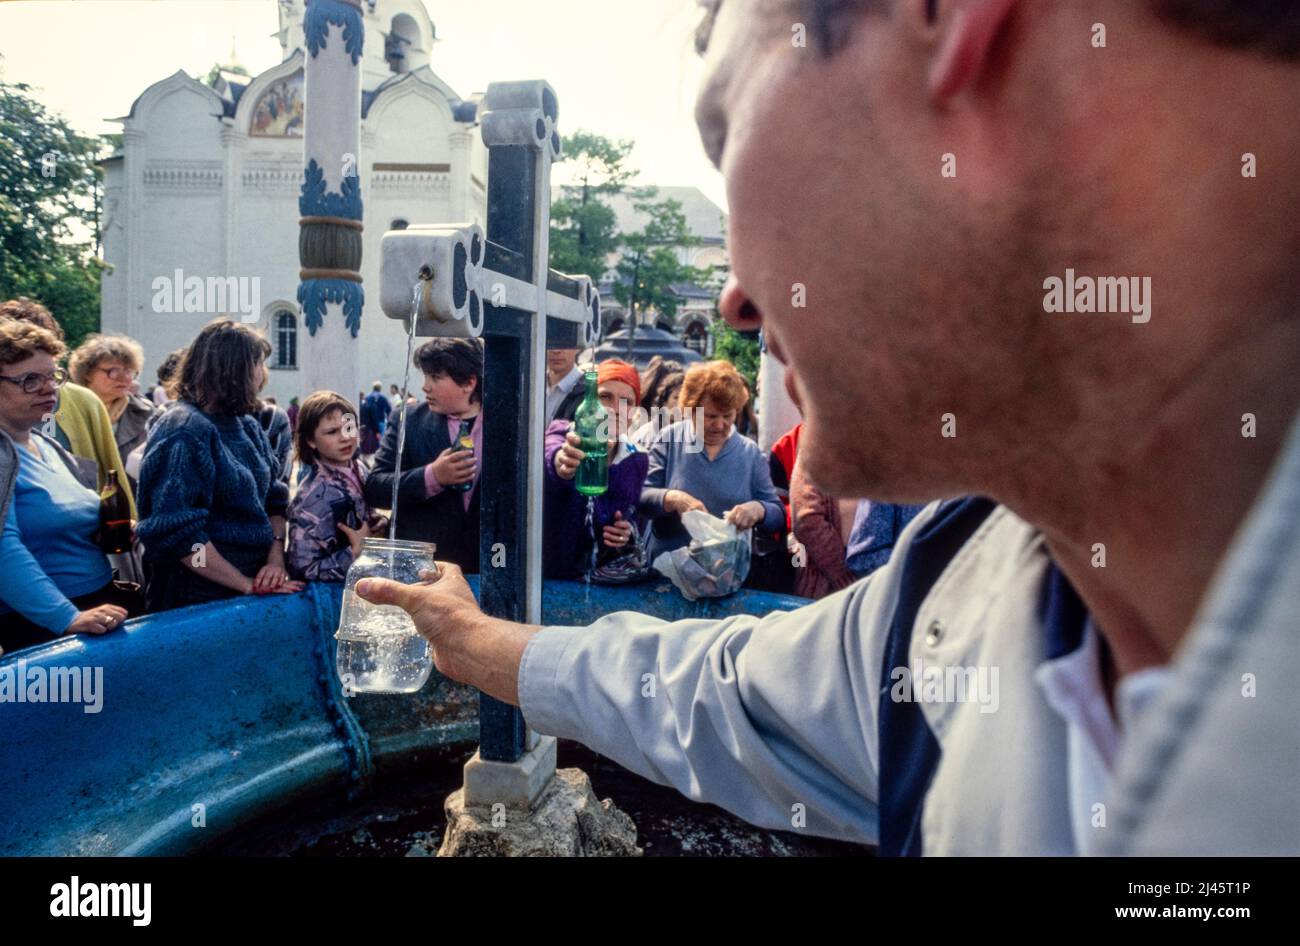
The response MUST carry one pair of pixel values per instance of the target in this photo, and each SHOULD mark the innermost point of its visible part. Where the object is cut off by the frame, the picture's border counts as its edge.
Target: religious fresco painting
(279, 112)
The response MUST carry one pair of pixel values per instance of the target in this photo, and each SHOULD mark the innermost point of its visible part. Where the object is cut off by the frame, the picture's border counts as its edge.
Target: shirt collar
(566, 383)
(1072, 685)
(1071, 676)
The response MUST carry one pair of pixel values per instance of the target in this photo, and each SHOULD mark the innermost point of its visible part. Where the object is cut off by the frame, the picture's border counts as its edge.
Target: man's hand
(441, 605)
(454, 466)
(468, 646)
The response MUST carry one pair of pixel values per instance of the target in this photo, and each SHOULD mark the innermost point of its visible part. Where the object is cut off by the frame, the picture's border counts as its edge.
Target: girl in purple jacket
(328, 518)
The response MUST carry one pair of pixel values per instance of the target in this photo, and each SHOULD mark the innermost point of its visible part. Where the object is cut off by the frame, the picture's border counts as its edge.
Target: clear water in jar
(385, 655)
(379, 649)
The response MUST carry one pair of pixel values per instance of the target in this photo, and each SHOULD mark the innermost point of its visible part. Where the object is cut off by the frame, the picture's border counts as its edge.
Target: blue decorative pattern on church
(316, 201)
(320, 13)
(314, 293)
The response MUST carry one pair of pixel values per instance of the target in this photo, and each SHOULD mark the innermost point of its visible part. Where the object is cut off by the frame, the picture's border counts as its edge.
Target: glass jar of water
(379, 649)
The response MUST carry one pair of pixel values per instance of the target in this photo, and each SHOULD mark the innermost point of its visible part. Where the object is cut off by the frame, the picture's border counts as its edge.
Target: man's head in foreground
(921, 167)
(907, 178)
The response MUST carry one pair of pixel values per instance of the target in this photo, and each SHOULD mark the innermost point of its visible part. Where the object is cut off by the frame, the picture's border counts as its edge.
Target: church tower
(399, 37)
(208, 187)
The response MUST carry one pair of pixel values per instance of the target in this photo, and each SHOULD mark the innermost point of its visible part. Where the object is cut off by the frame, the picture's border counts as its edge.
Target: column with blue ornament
(330, 291)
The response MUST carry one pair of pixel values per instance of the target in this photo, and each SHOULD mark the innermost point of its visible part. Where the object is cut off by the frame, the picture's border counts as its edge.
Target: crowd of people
(232, 495)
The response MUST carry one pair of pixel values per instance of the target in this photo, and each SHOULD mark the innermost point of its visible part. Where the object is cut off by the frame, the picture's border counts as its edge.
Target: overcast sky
(622, 68)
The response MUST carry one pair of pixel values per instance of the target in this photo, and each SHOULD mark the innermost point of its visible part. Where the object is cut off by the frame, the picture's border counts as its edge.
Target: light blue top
(46, 553)
(740, 473)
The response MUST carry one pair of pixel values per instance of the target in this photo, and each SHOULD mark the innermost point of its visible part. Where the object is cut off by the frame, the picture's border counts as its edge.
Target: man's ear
(966, 35)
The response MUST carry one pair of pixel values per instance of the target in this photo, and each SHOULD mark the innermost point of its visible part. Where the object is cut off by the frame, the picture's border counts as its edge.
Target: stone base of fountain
(568, 820)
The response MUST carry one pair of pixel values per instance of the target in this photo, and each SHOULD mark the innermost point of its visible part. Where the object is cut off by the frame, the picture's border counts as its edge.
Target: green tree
(650, 265)
(584, 229)
(739, 348)
(49, 212)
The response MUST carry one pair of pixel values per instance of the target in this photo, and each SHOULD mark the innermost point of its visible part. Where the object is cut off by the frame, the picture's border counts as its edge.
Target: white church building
(201, 203)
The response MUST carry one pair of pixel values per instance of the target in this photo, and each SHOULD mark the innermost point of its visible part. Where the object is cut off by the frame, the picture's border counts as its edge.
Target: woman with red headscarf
(567, 539)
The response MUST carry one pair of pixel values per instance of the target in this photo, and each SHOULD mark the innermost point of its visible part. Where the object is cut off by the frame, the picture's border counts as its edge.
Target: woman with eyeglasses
(80, 422)
(212, 505)
(109, 365)
(55, 578)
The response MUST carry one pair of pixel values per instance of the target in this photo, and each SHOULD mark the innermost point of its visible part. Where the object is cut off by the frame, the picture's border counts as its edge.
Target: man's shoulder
(961, 550)
(271, 418)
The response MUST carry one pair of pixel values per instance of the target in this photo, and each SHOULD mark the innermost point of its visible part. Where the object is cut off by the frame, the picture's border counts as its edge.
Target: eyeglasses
(33, 381)
(119, 373)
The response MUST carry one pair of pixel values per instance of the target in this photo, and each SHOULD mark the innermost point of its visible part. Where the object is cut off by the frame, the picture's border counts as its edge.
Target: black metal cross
(500, 286)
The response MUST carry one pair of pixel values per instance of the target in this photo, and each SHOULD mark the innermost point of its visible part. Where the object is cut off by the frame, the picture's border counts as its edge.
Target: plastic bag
(714, 564)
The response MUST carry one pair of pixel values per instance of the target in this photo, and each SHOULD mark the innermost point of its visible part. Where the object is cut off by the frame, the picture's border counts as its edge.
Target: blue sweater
(208, 478)
(738, 474)
(46, 553)
(876, 527)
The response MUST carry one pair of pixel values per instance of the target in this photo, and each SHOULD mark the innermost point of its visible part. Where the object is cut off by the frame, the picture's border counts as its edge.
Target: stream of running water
(401, 417)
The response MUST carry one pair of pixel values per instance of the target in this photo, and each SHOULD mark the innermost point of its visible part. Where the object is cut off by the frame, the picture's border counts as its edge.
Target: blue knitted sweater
(206, 478)
(876, 527)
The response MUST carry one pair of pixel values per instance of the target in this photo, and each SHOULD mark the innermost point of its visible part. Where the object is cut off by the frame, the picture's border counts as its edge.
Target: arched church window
(286, 339)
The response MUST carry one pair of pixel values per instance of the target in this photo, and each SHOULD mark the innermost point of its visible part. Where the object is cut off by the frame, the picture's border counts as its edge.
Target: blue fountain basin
(195, 722)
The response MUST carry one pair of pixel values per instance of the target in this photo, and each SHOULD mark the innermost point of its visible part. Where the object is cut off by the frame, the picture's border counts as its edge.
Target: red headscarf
(616, 370)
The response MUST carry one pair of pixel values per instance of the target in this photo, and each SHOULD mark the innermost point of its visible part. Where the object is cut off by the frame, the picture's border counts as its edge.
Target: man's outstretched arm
(468, 645)
(771, 718)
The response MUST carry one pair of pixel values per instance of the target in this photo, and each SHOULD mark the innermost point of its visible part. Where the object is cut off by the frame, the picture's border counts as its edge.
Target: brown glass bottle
(114, 517)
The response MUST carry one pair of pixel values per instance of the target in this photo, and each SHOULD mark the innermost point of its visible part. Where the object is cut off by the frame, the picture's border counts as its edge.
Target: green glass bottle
(591, 423)
(464, 441)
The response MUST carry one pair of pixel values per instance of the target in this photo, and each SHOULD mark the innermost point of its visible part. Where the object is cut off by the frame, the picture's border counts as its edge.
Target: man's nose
(737, 308)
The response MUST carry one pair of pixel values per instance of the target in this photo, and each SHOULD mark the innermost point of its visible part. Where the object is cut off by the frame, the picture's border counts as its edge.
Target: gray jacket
(8, 472)
(790, 720)
(132, 427)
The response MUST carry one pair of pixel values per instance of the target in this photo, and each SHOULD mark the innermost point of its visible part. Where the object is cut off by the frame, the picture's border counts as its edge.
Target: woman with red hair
(701, 462)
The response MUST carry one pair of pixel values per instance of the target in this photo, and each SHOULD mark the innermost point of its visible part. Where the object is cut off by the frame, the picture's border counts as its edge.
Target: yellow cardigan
(83, 418)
